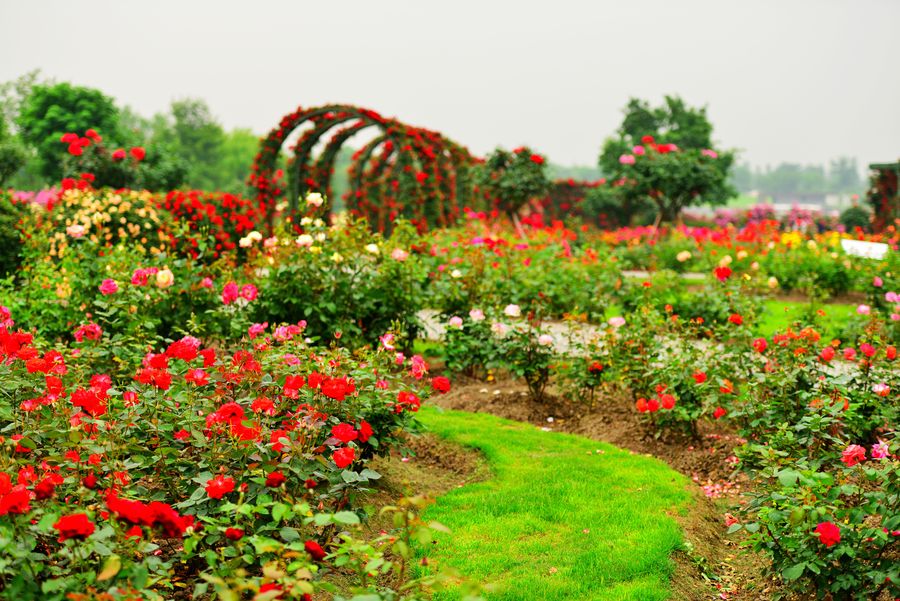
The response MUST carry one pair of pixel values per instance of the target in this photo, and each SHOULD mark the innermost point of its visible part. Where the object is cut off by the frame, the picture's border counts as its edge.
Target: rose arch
(402, 172)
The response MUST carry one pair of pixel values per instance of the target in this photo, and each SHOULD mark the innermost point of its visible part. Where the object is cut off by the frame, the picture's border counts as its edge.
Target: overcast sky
(784, 80)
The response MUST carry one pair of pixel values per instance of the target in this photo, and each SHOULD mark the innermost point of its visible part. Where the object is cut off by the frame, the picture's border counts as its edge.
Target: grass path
(557, 519)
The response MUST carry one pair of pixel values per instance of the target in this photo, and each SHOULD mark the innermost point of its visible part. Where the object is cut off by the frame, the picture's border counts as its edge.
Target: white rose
(512, 311)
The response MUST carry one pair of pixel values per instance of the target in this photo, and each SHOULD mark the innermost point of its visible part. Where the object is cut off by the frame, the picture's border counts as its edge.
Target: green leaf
(788, 477)
(346, 517)
(111, 567)
(289, 534)
(279, 511)
(794, 572)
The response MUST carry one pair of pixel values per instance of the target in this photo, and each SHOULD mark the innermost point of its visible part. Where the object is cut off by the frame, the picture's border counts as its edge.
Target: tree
(238, 151)
(843, 175)
(665, 155)
(12, 155)
(199, 140)
(50, 111)
(673, 123)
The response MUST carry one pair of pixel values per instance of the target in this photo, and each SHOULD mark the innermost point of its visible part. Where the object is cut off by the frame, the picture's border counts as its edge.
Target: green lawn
(557, 519)
(778, 315)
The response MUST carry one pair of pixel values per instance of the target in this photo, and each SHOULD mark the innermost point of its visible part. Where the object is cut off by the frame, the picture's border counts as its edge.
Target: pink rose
(249, 292)
(880, 450)
(626, 159)
(108, 287)
(230, 293)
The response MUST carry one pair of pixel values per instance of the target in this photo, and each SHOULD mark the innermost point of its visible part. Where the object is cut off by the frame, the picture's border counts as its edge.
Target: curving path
(562, 517)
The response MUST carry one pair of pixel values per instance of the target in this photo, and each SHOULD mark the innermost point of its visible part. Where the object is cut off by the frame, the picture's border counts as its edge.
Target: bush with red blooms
(117, 168)
(832, 529)
(218, 446)
(216, 221)
(508, 181)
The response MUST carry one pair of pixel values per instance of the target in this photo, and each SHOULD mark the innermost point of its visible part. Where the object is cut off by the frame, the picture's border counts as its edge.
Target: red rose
(719, 412)
(722, 273)
(737, 320)
(344, 432)
(138, 153)
(15, 501)
(440, 384)
(75, 149)
(343, 457)
(118, 154)
(668, 401)
(537, 159)
(365, 431)
(760, 345)
(315, 550)
(197, 377)
(699, 377)
(275, 479)
(219, 486)
(234, 534)
(67, 183)
(829, 534)
(827, 354)
(76, 526)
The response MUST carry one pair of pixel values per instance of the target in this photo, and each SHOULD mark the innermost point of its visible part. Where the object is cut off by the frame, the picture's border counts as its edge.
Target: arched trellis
(403, 171)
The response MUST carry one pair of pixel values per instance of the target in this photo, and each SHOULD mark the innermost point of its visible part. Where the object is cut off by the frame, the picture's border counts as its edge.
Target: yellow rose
(164, 278)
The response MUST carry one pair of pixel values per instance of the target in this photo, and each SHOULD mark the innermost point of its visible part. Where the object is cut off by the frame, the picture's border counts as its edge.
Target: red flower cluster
(155, 514)
(652, 405)
(227, 217)
(75, 526)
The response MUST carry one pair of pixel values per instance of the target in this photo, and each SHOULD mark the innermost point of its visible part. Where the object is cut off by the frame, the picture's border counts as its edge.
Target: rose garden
(453, 379)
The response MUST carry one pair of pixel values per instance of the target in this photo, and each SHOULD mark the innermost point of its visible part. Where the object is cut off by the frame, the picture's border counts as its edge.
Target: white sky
(785, 80)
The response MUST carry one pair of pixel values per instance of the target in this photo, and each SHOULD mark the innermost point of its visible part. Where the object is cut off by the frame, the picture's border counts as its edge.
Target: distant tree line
(842, 176)
(190, 146)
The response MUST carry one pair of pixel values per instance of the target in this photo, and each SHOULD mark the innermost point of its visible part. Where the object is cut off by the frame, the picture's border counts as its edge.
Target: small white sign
(869, 250)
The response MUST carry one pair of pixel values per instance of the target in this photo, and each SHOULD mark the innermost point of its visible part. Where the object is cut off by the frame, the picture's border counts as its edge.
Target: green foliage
(856, 217)
(13, 157)
(344, 282)
(509, 180)
(672, 123)
(53, 110)
(10, 243)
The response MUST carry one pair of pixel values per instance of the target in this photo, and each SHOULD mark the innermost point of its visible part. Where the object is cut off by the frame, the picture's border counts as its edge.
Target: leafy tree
(199, 140)
(664, 155)
(508, 180)
(50, 111)
(12, 155)
(673, 180)
(843, 175)
(12, 97)
(672, 123)
(239, 147)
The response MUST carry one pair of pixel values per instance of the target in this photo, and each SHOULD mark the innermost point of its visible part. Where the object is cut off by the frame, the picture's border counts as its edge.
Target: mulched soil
(714, 566)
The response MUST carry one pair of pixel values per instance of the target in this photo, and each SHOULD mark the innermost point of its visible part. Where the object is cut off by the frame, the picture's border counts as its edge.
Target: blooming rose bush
(109, 482)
